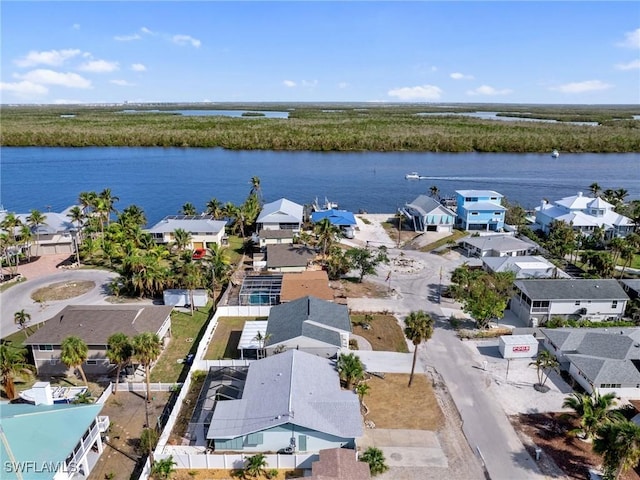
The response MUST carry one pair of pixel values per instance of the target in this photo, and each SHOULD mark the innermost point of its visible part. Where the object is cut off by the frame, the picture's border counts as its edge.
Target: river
(161, 180)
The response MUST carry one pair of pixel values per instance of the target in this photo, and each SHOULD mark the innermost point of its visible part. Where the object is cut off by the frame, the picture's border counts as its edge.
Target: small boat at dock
(555, 154)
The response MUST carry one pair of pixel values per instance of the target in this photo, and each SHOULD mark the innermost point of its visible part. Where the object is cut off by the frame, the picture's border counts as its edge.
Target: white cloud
(53, 58)
(127, 38)
(76, 26)
(122, 83)
(186, 40)
(582, 87)
(343, 85)
(421, 92)
(99, 66)
(50, 77)
(490, 91)
(289, 83)
(631, 39)
(461, 76)
(633, 65)
(309, 83)
(66, 101)
(147, 31)
(138, 67)
(24, 88)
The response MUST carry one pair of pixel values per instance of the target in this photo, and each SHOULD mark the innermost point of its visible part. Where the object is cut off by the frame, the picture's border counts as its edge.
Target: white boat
(412, 176)
(58, 394)
(555, 154)
(327, 205)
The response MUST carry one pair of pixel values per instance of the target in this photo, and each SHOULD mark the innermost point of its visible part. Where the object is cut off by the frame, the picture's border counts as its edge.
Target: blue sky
(573, 52)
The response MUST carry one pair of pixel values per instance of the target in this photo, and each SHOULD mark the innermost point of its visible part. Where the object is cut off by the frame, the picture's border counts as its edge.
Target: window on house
(494, 198)
(474, 213)
(468, 199)
(92, 362)
(45, 348)
(254, 439)
(497, 214)
(577, 302)
(614, 304)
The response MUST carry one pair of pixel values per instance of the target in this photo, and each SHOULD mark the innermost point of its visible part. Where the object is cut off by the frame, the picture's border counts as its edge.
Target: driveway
(18, 297)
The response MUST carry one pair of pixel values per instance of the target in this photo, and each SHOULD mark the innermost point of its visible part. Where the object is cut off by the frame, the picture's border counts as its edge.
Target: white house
(292, 402)
(528, 266)
(584, 214)
(497, 246)
(536, 301)
(606, 359)
(428, 215)
(44, 442)
(203, 229)
(274, 237)
(282, 214)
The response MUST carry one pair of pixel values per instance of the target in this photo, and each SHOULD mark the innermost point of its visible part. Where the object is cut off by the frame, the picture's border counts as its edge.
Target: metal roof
(281, 211)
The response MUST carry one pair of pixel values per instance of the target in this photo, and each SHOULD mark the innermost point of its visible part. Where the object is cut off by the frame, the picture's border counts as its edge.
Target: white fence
(105, 395)
(142, 387)
(207, 364)
(244, 311)
(227, 461)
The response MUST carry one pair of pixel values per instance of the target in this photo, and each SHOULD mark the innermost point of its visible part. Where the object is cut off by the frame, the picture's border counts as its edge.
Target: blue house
(342, 219)
(480, 210)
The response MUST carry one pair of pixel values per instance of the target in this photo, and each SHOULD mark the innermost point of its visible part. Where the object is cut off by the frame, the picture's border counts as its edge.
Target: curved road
(18, 297)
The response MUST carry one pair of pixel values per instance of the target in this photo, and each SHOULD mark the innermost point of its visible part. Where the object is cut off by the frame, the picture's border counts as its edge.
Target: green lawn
(235, 249)
(384, 333)
(224, 343)
(185, 335)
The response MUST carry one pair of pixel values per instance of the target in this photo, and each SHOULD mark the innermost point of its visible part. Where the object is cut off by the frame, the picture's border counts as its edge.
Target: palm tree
(192, 278)
(25, 239)
(593, 411)
(255, 189)
(163, 469)
(147, 348)
(108, 200)
(189, 209)
(419, 328)
(595, 189)
(262, 339)
(218, 264)
(255, 465)
(327, 234)
(362, 389)
(21, 318)
(12, 363)
(119, 351)
(214, 208)
(544, 363)
(350, 369)
(375, 458)
(619, 445)
(73, 353)
(10, 223)
(34, 220)
(87, 200)
(181, 239)
(434, 191)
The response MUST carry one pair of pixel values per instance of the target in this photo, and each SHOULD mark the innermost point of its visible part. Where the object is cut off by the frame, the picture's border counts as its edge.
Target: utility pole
(399, 215)
(440, 287)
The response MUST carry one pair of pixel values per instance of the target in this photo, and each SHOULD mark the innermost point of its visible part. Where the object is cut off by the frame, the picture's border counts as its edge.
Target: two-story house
(536, 301)
(480, 210)
(282, 214)
(203, 230)
(428, 215)
(584, 214)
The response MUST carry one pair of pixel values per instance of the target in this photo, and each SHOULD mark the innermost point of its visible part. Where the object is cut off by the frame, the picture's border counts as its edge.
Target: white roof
(249, 332)
(518, 339)
(574, 202)
(189, 223)
(478, 193)
(54, 222)
(281, 211)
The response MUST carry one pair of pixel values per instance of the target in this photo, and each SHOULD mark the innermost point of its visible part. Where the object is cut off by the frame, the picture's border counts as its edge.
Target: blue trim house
(480, 210)
(428, 215)
(291, 401)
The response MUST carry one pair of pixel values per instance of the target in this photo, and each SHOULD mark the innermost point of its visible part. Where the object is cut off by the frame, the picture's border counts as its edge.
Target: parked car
(199, 253)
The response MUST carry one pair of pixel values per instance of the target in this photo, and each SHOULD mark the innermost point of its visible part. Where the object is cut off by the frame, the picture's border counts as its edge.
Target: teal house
(480, 210)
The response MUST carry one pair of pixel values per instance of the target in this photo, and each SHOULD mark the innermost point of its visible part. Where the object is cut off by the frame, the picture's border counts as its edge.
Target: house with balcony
(44, 442)
(584, 214)
(602, 359)
(289, 402)
(536, 301)
(480, 210)
(203, 230)
(425, 214)
(94, 324)
(282, 214)
(273, 237)
(342, 219)
(497, 246)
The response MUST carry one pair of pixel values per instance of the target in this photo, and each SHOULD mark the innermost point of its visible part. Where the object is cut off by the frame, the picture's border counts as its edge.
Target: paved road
(19, 296)
(416, 278)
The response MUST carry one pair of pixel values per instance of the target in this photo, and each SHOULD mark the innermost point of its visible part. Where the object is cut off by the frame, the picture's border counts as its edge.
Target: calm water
(217, 113)
(161, 180)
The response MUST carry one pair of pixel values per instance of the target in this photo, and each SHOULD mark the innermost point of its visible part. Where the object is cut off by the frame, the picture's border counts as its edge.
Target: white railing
(103, 423)
(207, 364)
(244, 311)
(227, 461)
(105, 395)
(142, 387)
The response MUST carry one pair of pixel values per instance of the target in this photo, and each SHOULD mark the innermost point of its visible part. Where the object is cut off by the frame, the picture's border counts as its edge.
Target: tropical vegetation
(350, 369)
(12, 363)
(418, 329)
(592, 411)
(375, 458)
(73, 353)
(545, 363)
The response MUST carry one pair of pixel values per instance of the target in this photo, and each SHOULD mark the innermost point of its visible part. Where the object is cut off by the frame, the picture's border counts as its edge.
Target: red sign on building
(521, 348)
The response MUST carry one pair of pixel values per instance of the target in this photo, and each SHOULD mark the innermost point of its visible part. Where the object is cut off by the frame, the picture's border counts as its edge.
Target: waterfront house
(343, 219)
(479, 210)
(273, 237)
(288, 258)
(497, 246)
(52, 441)
(536, 301)
(289, 402)
(282, 214)
(428, 215)
(308, 324)
(584, 214)
(203, 229)
(606, 359)
(94, 324)
(529, 266)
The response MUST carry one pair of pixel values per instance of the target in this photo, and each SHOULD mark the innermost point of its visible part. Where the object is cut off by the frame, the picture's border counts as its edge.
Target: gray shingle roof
(572, 289)
(309, 317)
(499, 243)
(276, 234)
(95, 323)
(289, 388)
(285, 255)
(425, 205)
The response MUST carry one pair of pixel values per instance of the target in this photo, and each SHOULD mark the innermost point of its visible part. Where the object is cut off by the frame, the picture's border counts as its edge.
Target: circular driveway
(18, 297)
